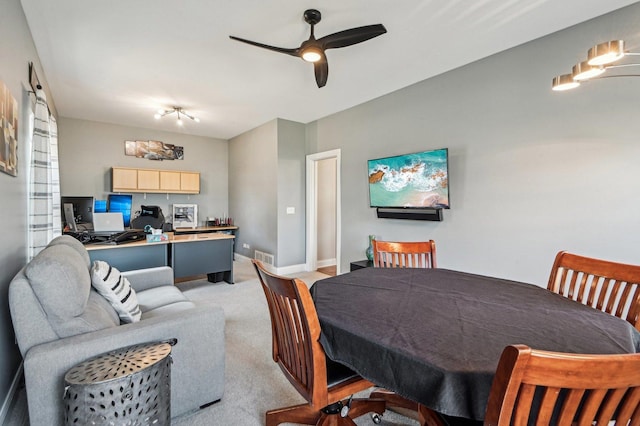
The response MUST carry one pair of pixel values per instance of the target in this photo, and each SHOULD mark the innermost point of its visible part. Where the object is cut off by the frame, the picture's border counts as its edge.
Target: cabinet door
(190, 182)
(148, 179)
(169, 181)
(124, 179)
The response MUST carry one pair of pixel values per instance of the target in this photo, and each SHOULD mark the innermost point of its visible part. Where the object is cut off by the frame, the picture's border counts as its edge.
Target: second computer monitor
(82, 212)
(121, 203)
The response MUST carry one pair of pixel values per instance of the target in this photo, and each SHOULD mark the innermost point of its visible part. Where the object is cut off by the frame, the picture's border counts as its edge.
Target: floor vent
(265, 258)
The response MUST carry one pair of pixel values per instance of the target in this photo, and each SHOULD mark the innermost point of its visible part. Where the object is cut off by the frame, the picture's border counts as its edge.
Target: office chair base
(394, 400)
(307, 415)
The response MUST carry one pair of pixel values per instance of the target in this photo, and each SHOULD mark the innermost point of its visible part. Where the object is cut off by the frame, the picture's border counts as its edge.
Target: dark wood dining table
(435, 335)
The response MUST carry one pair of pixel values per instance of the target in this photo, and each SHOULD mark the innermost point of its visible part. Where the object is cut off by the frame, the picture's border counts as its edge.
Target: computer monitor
(100, 206)
(121, 203)
(82, 212)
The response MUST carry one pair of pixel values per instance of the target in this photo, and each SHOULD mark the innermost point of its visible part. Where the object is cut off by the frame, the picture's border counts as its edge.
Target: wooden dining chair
(389, 254)
(296, 348)
(564, 389)
(392, 254)
(608, 286)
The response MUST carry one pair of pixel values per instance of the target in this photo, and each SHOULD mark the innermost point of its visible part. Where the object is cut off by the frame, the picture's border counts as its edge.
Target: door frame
(312, 205)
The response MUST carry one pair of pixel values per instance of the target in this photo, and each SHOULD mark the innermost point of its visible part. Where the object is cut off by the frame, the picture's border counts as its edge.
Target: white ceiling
(118, 61)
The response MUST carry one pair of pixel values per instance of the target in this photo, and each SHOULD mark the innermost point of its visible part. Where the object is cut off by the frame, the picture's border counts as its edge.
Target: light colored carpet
(253, 382)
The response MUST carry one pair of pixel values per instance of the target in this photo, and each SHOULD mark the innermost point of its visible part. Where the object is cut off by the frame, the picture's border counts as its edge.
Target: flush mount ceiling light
(599, 59)
(179, 113)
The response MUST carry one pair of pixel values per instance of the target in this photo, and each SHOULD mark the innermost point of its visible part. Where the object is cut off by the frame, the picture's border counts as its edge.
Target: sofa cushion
(68, 240)
(165, 310)
(159, 296)
(61, 282)
(108, 281)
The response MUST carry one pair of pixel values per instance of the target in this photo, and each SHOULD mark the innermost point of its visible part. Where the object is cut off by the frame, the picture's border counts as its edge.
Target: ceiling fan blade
(292, 52)
(321, 69)
(352, 36)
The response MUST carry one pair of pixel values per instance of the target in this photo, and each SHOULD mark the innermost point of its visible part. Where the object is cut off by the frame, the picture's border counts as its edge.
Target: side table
(361, 264)
(128, 386)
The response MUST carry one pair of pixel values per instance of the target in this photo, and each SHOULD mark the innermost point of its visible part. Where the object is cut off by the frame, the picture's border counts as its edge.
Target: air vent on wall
(266, 258)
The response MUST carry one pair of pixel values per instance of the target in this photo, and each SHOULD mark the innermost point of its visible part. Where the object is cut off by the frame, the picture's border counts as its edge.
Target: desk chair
(388, 254)
(608, 286)
(564, 389)
(297, 350)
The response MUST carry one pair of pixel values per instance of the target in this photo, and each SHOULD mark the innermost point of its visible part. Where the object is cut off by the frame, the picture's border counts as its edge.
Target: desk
(435, 335)
(188, 255)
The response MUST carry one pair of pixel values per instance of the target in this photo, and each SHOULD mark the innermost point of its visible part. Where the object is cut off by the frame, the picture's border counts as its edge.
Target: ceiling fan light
(312, 54)
(584, 71)
(606, 53)
(157, 116)
(564, 82)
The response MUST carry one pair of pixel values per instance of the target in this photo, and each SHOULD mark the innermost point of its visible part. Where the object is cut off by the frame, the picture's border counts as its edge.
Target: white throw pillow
(117, 290)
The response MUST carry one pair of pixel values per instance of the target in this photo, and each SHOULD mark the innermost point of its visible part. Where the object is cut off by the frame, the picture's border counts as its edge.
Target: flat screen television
(121, 203)
(417, 180)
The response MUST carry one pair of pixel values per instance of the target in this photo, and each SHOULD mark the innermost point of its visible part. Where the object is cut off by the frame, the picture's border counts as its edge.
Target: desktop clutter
(109, 228)
(152, 221)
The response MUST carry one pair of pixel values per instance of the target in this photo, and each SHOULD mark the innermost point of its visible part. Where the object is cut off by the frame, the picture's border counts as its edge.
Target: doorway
(321, 214)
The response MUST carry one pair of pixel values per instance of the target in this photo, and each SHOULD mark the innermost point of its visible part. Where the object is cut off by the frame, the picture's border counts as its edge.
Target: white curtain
(44, 180)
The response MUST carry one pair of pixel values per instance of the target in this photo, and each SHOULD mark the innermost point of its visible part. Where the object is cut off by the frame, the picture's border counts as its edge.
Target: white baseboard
(13, 389)
(285, 270)
(327, 262)
(292, 269)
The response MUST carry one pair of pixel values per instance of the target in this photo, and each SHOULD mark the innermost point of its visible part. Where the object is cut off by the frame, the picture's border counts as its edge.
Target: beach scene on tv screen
(411, 180)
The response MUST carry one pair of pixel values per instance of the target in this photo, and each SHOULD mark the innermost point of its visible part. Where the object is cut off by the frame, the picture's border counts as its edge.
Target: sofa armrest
(197, 372)
(143, 279)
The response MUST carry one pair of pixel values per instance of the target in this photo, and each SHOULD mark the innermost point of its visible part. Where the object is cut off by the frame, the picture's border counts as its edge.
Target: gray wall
(16, 51)
(291, 193)
(253, 188)
(89, 149)
(267, 175)
(532, 172)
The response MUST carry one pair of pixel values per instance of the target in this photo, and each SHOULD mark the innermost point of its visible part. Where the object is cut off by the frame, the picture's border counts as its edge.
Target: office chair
(607, 286)
(564, 389)
(325, 384)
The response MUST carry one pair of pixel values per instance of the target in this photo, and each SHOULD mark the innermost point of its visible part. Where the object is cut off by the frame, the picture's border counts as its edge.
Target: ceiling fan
(313, 50)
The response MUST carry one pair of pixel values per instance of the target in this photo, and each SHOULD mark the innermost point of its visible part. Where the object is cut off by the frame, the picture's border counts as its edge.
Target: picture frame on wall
(8, 132)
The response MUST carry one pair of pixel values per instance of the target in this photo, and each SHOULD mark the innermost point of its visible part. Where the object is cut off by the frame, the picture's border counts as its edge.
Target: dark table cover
(435, 335)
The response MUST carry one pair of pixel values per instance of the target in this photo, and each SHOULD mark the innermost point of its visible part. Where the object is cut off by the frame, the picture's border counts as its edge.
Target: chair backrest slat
(564, 389)
(391, 254)
(604, 285)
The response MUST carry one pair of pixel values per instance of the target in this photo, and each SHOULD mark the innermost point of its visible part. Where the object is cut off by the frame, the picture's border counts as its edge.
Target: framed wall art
(8, 132)
(153, 150)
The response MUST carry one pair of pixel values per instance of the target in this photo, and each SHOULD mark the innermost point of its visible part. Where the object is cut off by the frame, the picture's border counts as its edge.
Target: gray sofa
(60, 321)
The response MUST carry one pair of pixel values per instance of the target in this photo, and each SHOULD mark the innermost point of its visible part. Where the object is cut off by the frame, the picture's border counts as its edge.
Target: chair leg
(303, 414)
(394, 400)
(362, 406)
(358, 407)
(428, 417)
